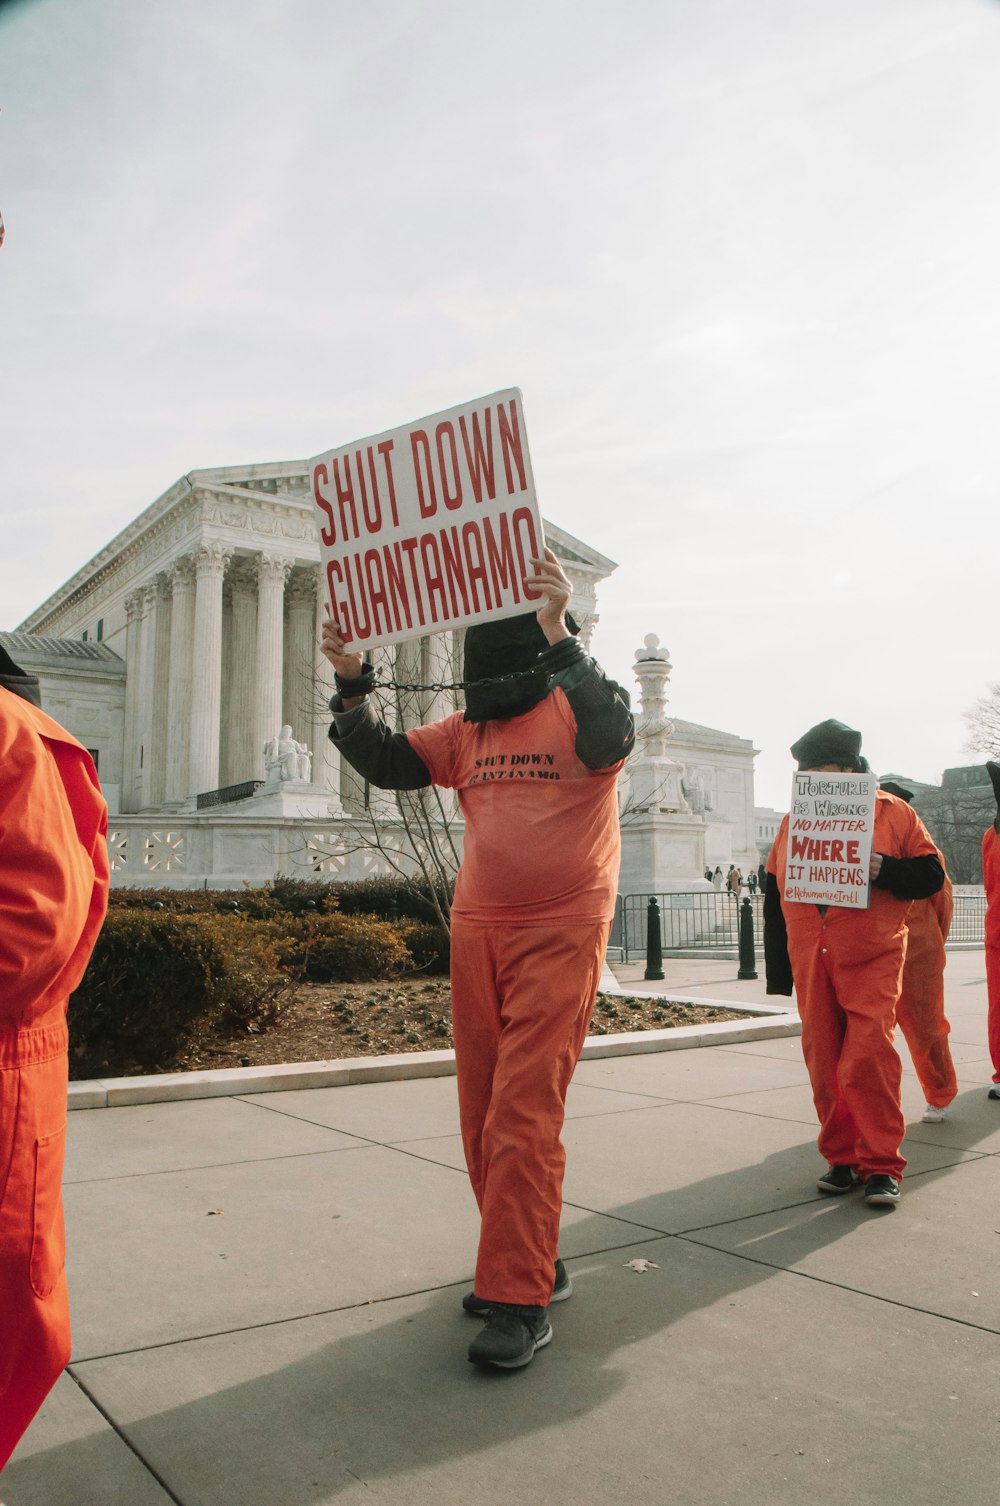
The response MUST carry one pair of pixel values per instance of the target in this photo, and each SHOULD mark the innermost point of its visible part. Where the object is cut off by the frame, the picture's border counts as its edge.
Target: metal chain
(515, 674)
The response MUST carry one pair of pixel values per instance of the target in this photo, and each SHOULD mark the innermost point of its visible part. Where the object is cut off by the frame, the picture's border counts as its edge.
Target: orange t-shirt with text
(542, 839)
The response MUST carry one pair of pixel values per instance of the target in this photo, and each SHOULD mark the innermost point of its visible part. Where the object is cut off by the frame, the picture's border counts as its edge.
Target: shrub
(345, 949)
(156, 978)
(390, 896)
(285, 896)
(429, 947)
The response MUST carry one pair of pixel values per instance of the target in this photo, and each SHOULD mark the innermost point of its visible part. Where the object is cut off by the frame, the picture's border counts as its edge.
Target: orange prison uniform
(847, 966)
(991, 879)
(920, 1010)
(533, 905)
(53, 894)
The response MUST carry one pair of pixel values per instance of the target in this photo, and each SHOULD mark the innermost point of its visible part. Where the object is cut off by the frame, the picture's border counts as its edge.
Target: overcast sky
(741, 256)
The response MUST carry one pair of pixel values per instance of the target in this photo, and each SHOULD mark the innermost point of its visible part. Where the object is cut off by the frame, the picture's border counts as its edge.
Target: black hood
(830, 742)
(502, 648)
(14, 679)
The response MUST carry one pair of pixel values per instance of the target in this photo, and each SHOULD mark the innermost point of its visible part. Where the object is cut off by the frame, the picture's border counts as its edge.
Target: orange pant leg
(993, 1017)
(521, 1004)
(34, 1306)
(870, 1072)
(921, 1017)
(824, 1025)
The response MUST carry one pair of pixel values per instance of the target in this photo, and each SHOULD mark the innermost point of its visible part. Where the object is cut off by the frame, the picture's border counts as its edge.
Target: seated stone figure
(285, 759)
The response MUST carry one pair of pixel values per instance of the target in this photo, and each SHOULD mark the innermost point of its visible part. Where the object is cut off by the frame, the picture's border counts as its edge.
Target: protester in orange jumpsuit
(920, 1010)
(847, 968)
(991, 880)
(535, 761)
(53, 894)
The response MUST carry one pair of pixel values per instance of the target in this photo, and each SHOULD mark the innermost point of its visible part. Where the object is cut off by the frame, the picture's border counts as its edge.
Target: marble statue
(285, 759)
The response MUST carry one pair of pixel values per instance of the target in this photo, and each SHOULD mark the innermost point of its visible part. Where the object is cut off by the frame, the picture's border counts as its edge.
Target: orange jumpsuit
(991, 879)
(53, 895)
(920, 1010)
(530, 921)
(847, 966)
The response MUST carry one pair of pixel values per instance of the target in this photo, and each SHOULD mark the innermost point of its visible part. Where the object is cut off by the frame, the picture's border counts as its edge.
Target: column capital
(302, 589)
(134, 603)
(181, 572)
(272, 569)
(211, 559)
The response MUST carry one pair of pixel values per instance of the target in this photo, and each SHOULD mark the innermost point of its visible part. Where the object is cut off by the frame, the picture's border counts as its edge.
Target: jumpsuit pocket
(48, 1238)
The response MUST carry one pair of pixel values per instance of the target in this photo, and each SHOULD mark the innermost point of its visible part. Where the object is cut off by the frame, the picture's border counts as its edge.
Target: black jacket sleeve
(911, 878)
(381, 756)
(777, 965)
(605, 731)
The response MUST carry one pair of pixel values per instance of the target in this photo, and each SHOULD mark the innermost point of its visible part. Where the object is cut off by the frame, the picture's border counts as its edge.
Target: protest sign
(830, 828)
(429, 526)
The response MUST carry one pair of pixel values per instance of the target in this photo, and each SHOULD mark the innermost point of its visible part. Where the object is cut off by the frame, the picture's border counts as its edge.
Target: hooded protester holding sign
(53, 894)
(991, 880)
(920, 1008)
(535, 762)
(847, 967)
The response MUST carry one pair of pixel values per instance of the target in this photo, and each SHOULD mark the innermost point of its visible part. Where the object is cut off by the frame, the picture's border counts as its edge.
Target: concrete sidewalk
(266, 1300)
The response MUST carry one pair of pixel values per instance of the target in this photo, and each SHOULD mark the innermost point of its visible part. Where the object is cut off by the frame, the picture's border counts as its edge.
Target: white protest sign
(830, 827)
(429, 526)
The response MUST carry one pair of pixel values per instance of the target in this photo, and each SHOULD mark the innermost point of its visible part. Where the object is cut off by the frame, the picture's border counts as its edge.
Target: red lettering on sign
(420, 443)
(327, 535)
(335, 581)
(385, 450)
(432, 576)
(373, 515)
(524, 523)
(409, 548)
(480, 458)
(454, 569)
(501, 559)
(476, 567)
(452, 499)
(396, 581)
(854, 852)
(376, 593)
(510, 443)
(345, 496)
(363, 627)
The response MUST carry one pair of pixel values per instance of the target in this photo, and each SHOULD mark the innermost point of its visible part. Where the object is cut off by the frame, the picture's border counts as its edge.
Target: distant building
(765, 823)
(956, 812)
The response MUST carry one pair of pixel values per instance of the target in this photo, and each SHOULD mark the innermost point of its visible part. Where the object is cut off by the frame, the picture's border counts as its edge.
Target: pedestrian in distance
(535, 762)
(846, 967)
(53, 895)
(920, 1008)
(717, 880)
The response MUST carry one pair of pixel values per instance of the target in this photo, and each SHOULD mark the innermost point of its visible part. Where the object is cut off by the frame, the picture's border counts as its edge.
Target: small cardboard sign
(830, 827)
(429, 526)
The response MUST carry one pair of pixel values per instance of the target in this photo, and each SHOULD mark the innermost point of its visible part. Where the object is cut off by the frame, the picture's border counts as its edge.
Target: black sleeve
(777, 966)
(605, 731)
(381, 756)
(911, 878)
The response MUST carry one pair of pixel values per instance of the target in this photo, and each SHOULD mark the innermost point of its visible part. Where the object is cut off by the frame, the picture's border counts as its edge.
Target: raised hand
(551, 581)
(345, 662)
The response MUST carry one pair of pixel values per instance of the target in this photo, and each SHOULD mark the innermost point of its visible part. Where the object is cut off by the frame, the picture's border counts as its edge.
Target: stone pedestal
(290, 797)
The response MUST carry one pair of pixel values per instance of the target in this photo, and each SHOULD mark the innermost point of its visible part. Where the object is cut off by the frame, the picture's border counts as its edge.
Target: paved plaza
(266, 1295)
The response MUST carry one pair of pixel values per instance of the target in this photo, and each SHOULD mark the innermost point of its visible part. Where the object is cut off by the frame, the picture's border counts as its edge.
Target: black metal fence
(709, 921)
(696, 921)
(231, 792)
(968, 923)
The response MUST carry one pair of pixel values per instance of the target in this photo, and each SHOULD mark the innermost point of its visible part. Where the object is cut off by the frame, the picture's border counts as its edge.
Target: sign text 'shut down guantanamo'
(431, 526)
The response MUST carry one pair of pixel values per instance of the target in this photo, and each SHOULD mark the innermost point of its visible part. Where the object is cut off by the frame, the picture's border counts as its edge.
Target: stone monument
(663, 812)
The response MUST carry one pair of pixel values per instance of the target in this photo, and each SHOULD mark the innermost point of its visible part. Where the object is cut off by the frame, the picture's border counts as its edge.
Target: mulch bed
(327, 1021)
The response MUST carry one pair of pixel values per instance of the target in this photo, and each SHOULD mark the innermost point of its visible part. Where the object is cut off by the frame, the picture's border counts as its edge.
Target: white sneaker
(933, 1115)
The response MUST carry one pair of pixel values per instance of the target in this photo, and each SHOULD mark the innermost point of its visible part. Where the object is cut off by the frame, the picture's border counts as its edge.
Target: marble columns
(299, 691)
(134, 603)
(206, 690)
(326, 769)
(241, 757)
(272, 572)
(155, 783)
(179, 684)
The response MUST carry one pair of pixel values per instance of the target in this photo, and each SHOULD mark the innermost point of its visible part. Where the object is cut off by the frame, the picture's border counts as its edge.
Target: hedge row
(390, 898)
(158, 978)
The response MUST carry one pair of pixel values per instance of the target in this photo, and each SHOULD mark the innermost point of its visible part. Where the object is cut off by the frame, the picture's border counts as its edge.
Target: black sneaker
(562, 1288)
(882, 1191)
(509, 1337)
(837, 1180)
